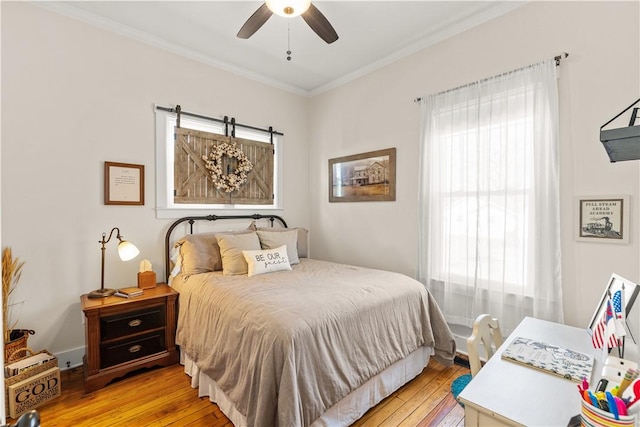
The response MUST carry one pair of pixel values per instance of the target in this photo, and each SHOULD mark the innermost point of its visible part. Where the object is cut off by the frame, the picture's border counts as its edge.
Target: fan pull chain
(288, 41)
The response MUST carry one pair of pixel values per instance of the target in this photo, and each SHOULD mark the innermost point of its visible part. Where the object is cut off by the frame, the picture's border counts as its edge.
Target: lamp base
(101, 293)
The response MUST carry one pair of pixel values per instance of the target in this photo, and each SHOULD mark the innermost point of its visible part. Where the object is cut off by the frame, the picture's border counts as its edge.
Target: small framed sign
(603, 219)
(123, 184)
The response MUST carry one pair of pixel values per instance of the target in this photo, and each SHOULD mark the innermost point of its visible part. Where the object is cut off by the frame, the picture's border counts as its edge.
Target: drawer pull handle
(135, 348)
(134, 323)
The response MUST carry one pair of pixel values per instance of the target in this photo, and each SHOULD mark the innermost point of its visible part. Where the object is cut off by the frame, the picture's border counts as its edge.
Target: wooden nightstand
(125, 334)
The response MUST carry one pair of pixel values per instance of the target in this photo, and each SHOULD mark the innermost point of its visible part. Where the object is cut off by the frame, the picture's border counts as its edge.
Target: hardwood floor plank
(422, 401)
(198, 419)
(433, 371)
(375, 416)
(455, 417)
(441, 412)
(440, 398)
(163, 397)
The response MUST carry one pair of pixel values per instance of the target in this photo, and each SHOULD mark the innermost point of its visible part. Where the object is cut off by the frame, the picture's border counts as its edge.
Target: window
(489, 228)
(166, 208)
(487, 197)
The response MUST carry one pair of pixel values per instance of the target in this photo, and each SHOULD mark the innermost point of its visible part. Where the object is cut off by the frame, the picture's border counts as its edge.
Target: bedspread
(286, 346)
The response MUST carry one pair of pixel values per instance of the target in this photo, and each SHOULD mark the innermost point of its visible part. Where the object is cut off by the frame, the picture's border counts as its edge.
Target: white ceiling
(372, 34)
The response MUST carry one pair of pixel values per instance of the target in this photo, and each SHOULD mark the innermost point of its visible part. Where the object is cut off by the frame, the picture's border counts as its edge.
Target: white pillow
(275, 239)
(267, 261)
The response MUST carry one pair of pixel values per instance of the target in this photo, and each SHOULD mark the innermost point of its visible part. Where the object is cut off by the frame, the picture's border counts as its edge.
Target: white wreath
(231, 181)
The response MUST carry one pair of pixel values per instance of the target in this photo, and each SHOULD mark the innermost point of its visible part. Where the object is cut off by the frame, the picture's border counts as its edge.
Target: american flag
(617, 304)
(618, 309)
(605, 330)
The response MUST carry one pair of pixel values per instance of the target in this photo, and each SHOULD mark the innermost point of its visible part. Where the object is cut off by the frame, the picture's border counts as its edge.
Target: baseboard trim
(461, 360)
(70, 359)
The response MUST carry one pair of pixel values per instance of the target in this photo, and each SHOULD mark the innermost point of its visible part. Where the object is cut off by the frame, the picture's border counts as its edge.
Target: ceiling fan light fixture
(288, 8)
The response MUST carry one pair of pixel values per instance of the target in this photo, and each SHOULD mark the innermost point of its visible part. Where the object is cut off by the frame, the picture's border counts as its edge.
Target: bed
(286, 340)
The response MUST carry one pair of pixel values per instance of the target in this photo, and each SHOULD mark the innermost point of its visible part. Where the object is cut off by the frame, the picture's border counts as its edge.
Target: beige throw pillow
(231, 247)
(303, 237)
(199, 253)
(275, 239)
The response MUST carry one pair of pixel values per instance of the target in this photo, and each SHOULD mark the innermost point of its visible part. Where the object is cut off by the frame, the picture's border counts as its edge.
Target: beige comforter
(286, 346)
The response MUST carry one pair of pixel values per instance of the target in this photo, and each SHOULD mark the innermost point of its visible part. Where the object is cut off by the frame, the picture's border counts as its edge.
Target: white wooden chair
(486, 331)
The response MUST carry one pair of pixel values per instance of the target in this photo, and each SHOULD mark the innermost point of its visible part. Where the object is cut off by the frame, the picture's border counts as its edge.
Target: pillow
(174, 259)
(302, 245)
(267, 261)
(231, 247)
(275, 239)
(200, 253)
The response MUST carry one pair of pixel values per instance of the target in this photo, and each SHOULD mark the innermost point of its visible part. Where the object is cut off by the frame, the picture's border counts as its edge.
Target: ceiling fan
(289, 9)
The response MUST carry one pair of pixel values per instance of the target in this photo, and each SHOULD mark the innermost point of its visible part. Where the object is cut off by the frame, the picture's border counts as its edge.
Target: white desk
(506, 393)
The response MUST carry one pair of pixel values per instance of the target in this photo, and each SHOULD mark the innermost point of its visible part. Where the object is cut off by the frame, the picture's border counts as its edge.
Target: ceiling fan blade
(318, 23)
(255, 21)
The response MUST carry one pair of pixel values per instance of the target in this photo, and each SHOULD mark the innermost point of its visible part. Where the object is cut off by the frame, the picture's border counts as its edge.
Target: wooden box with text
(33, 391)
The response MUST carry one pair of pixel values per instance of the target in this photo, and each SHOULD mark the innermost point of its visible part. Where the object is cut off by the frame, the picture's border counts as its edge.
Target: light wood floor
(164, 397)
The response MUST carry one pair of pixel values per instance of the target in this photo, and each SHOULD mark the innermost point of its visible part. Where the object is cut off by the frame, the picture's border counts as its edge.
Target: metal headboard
(193, 219)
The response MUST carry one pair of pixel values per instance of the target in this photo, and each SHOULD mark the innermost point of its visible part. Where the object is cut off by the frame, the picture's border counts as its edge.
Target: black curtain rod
(214, 119)
(557, 58)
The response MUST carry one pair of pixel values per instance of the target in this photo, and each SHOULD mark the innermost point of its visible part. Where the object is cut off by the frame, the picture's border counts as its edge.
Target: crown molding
(445, 31)
(146, 38)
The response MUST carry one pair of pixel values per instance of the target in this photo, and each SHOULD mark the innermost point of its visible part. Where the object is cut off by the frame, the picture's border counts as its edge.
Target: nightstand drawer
(116, 352)
(131, 322)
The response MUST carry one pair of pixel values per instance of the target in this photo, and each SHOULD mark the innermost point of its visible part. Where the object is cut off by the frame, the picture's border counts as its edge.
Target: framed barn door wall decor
(215, 163)
(211, 168)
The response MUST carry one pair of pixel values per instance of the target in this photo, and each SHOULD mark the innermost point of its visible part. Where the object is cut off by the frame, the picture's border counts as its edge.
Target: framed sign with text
(123, 184)
(603, 219)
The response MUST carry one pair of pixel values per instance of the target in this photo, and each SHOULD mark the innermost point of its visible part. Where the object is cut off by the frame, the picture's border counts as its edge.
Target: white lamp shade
(288, 8)
(127, 251)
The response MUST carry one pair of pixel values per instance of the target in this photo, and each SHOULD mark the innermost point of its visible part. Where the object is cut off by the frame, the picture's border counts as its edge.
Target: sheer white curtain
(489, 216)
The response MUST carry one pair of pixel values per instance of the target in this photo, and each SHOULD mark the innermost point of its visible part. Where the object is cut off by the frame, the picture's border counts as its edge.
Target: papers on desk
(555, 360)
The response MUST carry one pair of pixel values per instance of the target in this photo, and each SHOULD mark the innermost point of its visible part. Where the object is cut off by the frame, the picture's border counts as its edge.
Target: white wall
(598, 80)
(73, 97)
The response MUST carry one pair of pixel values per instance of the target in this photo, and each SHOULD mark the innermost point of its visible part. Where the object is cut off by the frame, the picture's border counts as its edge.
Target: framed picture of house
(603, 219)
(365, 177)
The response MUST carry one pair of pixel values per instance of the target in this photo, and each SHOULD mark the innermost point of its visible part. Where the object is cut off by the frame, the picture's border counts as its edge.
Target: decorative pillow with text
(267, 261)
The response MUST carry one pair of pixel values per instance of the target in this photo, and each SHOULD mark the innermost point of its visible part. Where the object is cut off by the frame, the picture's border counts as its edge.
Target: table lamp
(126, 250)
